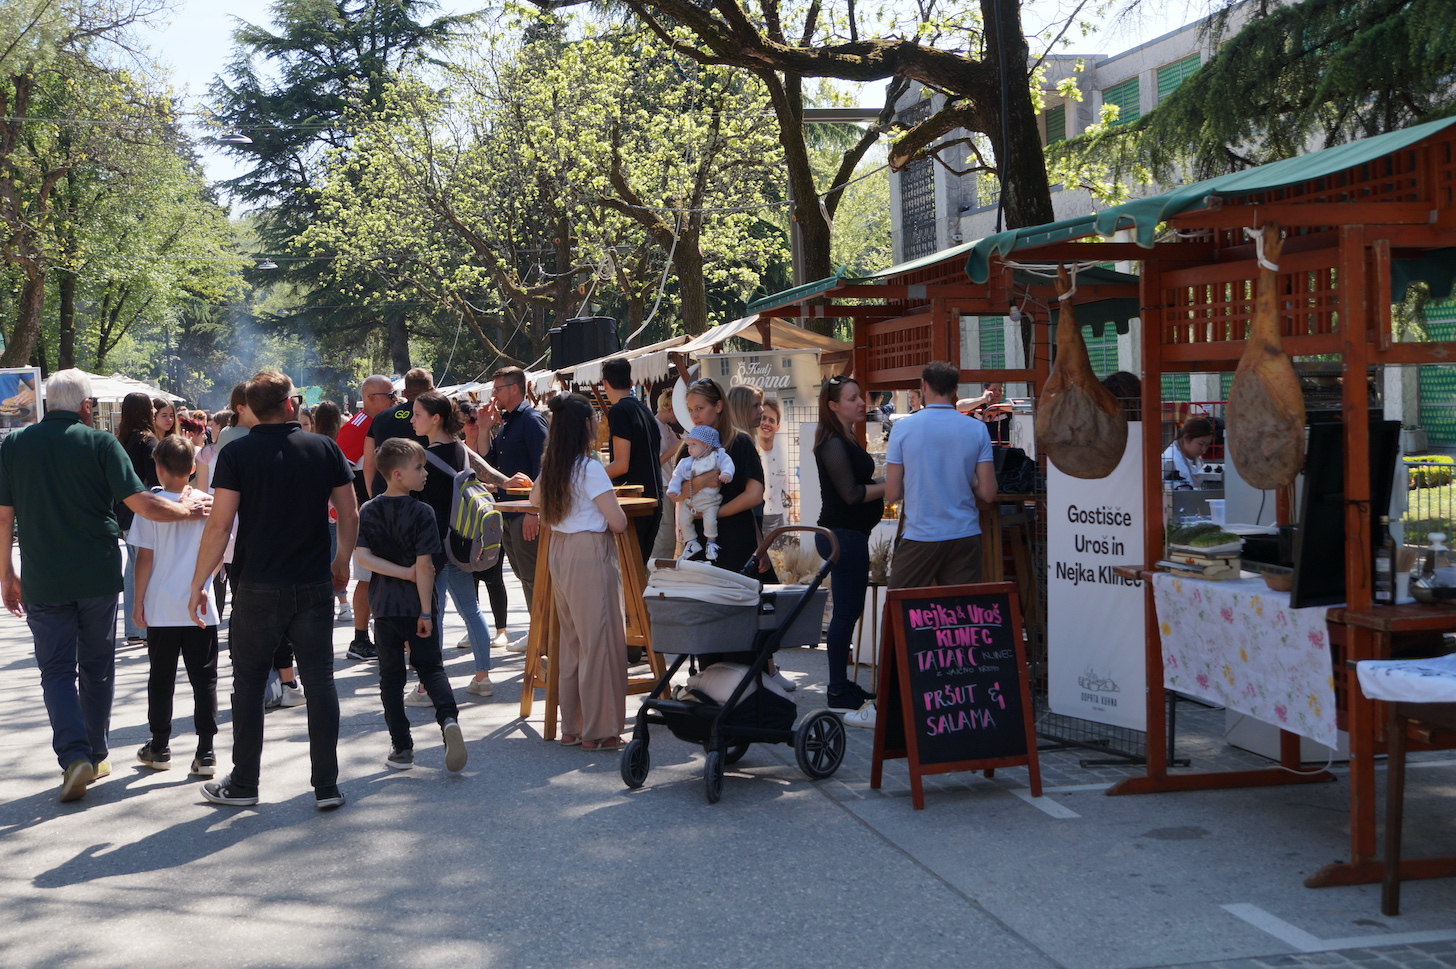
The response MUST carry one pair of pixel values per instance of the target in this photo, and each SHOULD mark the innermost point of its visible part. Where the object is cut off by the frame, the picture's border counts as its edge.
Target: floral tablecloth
(1239, 644)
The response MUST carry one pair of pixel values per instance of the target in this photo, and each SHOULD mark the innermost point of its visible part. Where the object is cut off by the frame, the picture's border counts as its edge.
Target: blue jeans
(75, 648)
(262, 616)
(128, 595)
(848, 580)
(462, 592)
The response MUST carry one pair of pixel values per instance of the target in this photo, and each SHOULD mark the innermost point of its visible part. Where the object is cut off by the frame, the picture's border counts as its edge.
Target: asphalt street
(537, 855)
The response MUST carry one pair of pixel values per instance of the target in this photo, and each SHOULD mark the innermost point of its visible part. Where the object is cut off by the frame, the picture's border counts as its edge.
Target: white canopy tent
(117, 386)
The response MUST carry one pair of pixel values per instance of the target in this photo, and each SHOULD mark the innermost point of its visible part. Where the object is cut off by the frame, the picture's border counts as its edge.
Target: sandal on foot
(607, 744)
(569, 740)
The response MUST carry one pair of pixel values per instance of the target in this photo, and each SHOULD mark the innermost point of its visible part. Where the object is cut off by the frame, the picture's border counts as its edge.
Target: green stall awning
(1144, 215)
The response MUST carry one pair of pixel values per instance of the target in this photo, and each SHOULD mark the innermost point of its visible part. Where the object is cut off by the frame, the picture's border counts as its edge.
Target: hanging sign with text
(954, 692)
(1095, 617)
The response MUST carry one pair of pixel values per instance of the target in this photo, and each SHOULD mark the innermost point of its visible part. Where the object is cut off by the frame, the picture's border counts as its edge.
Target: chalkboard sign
(954, 693)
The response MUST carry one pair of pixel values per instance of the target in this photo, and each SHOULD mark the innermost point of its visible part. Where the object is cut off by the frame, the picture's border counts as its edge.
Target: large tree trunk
(21, 342)
(1025, 193)
(66, 351)
(399, 355)
(687, 262)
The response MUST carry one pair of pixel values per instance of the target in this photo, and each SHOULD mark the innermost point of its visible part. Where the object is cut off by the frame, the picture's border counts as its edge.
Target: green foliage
(1430, 470)
(552, 173)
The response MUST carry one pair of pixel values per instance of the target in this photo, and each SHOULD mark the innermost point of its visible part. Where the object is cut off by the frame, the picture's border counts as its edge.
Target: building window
(917, 194)
(1056, 124)
(1127, 96)
(1174, 74)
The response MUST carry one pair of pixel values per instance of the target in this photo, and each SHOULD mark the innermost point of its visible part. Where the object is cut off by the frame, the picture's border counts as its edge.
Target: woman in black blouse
(852, 504)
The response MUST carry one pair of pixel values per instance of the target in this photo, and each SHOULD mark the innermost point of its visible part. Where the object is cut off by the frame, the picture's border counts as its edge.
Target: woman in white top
(1187, 450)
(577, 501)
(775, 466)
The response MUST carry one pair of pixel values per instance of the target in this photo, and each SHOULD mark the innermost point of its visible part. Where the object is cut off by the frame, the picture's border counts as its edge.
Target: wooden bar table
(1371, 633)
(543, 640)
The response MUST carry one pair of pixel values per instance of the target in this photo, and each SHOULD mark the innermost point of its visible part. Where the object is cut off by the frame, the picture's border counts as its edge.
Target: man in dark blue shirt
(516, 451)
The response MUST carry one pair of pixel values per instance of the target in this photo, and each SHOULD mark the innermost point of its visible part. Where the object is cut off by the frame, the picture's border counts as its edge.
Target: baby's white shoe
(712, 551)
(692, 548)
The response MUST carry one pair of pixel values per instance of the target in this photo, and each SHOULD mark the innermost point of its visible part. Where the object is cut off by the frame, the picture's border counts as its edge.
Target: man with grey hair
(61, 479)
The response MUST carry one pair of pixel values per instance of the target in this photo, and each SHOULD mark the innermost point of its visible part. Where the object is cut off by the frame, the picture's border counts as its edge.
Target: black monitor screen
(1319, 543)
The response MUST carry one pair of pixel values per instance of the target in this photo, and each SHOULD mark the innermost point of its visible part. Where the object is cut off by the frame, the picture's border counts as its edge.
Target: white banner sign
(1095, 628)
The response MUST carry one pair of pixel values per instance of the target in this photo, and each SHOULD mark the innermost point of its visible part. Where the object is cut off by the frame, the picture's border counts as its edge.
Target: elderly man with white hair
(62, 479)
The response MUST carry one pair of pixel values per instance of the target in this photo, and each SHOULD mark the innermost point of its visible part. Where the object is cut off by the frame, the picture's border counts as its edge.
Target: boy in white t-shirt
(167, 553)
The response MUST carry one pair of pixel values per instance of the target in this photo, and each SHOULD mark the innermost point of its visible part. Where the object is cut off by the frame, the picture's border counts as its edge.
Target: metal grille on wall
(917, 195)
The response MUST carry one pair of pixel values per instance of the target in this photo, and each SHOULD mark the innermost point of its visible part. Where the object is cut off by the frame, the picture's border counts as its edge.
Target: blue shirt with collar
(939, 448)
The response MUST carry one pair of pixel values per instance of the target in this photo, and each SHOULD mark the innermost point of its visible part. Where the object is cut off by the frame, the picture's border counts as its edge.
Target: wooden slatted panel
(1213, 304)
(1128, 98)
(898, 349)
(1056, 124)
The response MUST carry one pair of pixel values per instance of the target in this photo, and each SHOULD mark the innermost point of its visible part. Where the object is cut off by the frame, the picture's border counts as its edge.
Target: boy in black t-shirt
(398, 538)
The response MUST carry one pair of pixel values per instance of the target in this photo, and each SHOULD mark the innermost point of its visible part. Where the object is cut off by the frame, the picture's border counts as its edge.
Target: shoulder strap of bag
(439, 463)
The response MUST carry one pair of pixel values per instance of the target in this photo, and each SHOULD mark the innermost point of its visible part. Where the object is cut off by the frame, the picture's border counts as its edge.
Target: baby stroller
(697, 609)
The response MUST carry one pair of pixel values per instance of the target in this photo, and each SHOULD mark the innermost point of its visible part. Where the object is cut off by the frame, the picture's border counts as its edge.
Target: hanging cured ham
(1079, 424)
(1265, 414)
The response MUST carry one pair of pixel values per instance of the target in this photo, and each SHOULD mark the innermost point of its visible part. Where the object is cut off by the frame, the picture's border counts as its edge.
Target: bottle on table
(1385, 565)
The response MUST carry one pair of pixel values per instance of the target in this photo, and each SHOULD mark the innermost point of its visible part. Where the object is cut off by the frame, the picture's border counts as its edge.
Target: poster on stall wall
(20, 404)
(1095, 627)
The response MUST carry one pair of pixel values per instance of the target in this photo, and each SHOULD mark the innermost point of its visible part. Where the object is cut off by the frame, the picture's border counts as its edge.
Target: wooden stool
(1423, 720)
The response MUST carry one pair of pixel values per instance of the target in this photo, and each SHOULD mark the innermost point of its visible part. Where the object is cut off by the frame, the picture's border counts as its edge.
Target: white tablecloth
(1409, 680)
(1240, 644)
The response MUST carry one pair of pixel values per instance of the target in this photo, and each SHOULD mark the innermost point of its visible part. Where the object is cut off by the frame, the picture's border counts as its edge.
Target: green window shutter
(1177, 386)
(1056, 124)
(1127, 97)
(992, 333)
(1225, 381)
(1174, 74)
(1101, 350)
(1438, 384)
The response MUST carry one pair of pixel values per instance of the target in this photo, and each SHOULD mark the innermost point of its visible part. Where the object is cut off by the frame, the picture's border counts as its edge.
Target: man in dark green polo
(61, 479)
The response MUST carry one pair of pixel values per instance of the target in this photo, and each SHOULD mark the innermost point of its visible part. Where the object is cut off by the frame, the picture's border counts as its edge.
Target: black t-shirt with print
(398, 529)
(394, 422)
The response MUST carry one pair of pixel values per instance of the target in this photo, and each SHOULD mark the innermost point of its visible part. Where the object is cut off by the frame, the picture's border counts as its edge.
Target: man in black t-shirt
(278, 481)
(635, 441)
(395, 422)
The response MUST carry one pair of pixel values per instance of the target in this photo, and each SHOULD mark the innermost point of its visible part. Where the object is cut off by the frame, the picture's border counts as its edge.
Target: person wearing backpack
(438, 420)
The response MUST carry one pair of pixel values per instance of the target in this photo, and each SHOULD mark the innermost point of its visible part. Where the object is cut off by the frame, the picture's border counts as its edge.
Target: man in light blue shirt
(939, 462)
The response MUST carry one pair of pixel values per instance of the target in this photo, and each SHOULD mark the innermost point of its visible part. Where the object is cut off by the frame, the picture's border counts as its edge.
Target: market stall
(1360, 221)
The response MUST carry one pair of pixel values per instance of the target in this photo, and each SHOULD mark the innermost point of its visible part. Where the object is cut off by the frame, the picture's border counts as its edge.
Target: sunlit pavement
(538, 855)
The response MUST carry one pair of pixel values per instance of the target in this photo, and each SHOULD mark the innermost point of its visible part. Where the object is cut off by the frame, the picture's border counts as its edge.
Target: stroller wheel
(713, 776)
(636, 762)
(736, 752)
(819, 745)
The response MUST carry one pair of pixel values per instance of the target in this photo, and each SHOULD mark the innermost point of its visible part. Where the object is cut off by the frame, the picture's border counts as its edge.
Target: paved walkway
(536, 855)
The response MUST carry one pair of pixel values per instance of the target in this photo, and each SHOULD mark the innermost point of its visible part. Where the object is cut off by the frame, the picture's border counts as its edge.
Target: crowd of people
(278, 507)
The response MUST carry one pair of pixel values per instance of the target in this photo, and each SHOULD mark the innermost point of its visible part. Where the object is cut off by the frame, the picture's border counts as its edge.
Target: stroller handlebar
(782, 529)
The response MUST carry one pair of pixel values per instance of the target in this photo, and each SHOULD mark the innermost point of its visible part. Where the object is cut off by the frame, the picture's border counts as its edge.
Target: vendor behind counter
(1185, 455)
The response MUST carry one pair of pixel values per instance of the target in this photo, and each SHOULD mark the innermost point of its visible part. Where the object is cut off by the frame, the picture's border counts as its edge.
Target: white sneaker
(464, 643)
(501, 641)
(863, 717)
(292, 695)
(519, 645)
(418, 698)
(346, 611)
(786, 684)
(693, 547)
(712, 551)
(481, 687)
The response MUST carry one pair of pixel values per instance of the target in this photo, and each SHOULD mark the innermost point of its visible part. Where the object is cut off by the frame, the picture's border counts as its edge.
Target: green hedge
(1431, 470)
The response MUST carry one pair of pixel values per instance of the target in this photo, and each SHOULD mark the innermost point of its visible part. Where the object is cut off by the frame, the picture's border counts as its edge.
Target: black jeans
(390, 636)
(262, 616)
(848, 579)
(495, 587)
(198, 651)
